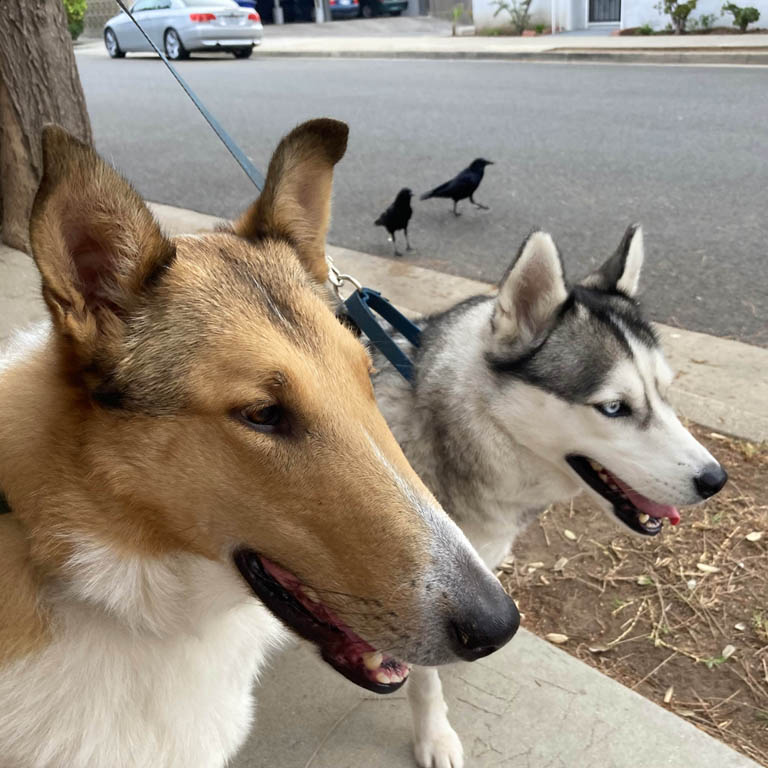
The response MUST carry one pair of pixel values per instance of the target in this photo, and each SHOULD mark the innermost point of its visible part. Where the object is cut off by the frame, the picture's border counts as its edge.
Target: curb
(720, 384)
(595, 56)
(693, 56)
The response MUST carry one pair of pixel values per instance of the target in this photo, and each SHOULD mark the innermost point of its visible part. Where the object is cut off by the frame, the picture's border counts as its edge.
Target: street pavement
(581, 150)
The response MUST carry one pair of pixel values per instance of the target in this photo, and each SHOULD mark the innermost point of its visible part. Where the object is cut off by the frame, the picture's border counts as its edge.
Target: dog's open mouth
(299, 607)
(633, 509)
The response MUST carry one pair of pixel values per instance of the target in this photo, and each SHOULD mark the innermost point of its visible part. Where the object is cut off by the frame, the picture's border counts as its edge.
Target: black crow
(397, 217)
(462, 186)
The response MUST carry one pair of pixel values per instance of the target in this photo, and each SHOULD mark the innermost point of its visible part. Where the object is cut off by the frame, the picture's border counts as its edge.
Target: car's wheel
(367, 11)
(174, 48)
(395, 13)
(112, 46)
(243, 53)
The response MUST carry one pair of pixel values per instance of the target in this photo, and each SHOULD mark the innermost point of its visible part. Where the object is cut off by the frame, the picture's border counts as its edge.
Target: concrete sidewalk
(421, 37)
(714, 49)
(530, 705)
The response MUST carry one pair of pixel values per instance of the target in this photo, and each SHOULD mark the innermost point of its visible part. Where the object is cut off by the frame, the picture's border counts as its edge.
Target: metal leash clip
(338, 278)
(357, 312)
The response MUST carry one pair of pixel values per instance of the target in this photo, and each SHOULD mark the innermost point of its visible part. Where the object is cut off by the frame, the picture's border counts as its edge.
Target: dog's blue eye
(267, 419)
(614, 408)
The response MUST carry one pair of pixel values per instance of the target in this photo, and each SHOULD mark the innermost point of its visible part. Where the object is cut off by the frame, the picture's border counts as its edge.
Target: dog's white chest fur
(151, 664)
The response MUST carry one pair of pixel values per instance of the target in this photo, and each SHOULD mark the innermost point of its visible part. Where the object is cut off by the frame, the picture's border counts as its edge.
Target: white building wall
(577, 15)
(541, 13)
(572, 14)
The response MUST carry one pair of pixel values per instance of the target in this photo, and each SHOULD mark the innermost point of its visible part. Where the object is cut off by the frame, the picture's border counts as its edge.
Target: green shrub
(677, 11)
(646, 29)
(518, 10)
(742, 17)
(456, 14)
(539, 29)
(75, 12)
(707, 20)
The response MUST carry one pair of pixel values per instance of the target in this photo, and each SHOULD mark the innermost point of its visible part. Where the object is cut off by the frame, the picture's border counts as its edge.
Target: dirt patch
(681, 618)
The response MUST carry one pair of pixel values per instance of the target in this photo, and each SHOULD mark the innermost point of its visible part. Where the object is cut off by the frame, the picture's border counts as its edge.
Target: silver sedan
(182, 26)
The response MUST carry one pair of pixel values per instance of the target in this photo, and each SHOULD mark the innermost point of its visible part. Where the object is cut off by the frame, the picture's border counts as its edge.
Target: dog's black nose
(485, 625)
(710, 481)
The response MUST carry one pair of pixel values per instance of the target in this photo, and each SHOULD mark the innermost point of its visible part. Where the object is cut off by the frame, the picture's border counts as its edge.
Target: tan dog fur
(121, 428)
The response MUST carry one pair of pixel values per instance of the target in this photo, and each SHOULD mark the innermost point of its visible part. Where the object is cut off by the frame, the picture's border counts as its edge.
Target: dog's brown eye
(268, 419)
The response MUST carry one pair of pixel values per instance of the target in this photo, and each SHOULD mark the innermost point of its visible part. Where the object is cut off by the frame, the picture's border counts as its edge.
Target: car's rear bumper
(205, 38)
(345, 10)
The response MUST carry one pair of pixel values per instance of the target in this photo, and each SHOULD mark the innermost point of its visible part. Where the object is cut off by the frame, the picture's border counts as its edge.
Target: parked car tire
(174, 48)
(112, 46)
(243, 53)
(395, 13)
(366, 11)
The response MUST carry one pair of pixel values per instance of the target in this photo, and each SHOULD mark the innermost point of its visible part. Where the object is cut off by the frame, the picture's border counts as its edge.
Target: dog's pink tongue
(650, 507)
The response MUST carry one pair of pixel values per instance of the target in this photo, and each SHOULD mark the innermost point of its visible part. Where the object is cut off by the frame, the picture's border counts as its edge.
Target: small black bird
(397, 217)
(462, 186)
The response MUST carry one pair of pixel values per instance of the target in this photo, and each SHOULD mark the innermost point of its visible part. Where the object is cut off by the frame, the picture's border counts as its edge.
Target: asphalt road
(580, 150)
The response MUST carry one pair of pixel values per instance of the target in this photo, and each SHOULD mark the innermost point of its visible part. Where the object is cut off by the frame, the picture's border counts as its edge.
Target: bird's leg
(455, 212)
(407, 242)
(478, 205)
(394, 245)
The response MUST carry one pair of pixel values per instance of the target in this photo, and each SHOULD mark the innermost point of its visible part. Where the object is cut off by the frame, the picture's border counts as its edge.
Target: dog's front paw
(439, 747)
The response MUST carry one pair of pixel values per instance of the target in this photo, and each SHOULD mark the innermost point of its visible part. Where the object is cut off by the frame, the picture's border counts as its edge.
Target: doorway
(604, 11)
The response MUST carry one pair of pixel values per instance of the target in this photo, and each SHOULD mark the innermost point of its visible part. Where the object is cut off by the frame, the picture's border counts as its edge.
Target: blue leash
(360, 307)
(242, 160)
(364, 301)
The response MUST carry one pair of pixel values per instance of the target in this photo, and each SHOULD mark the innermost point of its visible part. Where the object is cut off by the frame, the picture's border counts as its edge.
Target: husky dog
(194, 430)
(529, 397)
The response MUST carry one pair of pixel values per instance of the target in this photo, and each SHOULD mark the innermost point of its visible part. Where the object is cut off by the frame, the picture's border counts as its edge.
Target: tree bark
(39, 84)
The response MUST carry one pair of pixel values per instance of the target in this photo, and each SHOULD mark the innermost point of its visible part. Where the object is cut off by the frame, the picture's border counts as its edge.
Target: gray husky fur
(528, 397)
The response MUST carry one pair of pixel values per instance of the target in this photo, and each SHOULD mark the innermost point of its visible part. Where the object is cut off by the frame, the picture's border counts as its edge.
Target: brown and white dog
(195, 426)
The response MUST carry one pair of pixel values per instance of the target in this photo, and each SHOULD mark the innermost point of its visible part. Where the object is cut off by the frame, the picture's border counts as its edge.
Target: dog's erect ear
(95, 243)
(622, 271)
(530, 294)
(295, 204)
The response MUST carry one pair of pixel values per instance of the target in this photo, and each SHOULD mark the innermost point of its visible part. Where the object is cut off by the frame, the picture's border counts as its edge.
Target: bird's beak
(489, 162)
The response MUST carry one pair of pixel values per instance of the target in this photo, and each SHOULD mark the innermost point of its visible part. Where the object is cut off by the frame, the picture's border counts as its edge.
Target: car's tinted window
(218, 3)
(144, 5)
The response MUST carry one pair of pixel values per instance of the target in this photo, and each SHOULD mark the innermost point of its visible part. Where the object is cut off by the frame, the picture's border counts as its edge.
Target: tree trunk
(39, 84)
